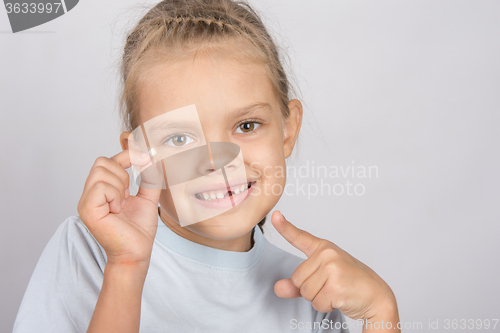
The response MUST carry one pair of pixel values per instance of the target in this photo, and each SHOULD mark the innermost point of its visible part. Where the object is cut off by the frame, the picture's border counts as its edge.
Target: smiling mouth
(221, 194)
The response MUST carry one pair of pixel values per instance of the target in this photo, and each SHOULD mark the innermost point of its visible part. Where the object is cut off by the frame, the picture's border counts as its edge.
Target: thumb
(286, 289)
(152, 182)
(150, 173)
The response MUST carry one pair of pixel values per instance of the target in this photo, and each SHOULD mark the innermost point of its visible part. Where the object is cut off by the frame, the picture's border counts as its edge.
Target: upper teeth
(211, 195)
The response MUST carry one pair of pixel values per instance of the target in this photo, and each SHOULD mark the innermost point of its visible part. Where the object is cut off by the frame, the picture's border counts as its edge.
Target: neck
(240, 244)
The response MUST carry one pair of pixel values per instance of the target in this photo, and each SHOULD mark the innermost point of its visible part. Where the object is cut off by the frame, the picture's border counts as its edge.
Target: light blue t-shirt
(189, 287)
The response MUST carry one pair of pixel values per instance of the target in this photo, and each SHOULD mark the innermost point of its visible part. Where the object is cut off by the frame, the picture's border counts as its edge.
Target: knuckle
(331, 287)
(125, 176)
(331, 268)
(305, 291)
(319, 306)
(101, 160)
(329, 254)
(82, 211)
(99, 170)
(100, 185)
(296, 279)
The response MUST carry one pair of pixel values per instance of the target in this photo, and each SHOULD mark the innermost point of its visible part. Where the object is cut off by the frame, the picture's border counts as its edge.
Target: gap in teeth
(210, 195)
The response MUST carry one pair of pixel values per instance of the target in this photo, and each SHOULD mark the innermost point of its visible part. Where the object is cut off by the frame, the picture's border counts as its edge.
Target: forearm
(118, 308)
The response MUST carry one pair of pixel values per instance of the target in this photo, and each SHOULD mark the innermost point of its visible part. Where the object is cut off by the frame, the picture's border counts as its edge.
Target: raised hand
(332, 279)
(124, 225)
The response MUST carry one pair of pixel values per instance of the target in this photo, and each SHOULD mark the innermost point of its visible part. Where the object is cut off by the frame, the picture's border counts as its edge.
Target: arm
(118, 308)
(125, 226)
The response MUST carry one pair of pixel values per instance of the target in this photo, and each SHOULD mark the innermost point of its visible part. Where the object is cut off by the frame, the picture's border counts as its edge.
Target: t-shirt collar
(209, 255)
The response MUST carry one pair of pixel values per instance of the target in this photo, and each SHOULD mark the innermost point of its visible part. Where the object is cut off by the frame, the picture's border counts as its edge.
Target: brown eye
(247, 127)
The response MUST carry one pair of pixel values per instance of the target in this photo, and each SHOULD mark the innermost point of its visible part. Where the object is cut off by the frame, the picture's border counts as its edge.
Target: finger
(299, 238)
(151, 179)
(152, 182)
(117, 164)
(314, 283)
(304, 271)
(127, 158)
(151, 175)
(286, 289)
(102, 199)
(323, 301)
(101, 173)
(139, 159)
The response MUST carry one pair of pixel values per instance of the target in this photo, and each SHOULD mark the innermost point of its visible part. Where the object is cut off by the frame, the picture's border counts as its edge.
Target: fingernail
(123, 202)
(282, 217)
(127, 192)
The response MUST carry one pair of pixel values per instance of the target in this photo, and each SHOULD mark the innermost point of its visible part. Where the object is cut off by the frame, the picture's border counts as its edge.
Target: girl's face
(235, 103)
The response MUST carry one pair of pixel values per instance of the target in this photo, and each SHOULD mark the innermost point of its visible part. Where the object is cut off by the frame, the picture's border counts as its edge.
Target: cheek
(266, 158)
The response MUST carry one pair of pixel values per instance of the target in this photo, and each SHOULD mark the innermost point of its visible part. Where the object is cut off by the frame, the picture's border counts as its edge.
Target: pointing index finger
(299, 238)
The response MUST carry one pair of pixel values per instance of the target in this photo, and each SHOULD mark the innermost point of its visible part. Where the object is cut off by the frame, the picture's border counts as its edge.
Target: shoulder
(75, 242)
(65, 284)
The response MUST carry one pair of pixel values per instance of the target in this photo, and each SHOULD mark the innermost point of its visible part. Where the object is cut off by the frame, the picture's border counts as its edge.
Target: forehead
(215, 82)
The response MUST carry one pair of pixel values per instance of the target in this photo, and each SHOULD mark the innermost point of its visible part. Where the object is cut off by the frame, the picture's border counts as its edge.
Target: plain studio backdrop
(408, 88)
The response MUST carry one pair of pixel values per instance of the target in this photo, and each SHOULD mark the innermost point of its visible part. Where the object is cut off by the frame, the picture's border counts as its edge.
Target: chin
(230, 225)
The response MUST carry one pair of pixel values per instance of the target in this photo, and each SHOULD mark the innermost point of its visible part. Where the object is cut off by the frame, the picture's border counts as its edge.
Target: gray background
(411, 87)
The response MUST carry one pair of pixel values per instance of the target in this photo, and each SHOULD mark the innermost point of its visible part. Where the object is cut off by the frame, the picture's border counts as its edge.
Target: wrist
(131, 274)
(387, 311)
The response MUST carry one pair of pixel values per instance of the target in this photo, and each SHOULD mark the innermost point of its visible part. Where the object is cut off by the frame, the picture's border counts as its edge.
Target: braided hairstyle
(175, 29)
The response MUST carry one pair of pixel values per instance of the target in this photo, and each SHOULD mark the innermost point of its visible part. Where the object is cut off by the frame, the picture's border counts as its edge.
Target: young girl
(126, 264)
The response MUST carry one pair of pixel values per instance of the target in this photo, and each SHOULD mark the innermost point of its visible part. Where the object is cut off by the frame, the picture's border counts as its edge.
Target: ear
(124, 140)
(292, 125)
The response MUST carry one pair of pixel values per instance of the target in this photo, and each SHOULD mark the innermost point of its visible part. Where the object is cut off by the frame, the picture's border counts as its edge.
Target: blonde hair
(173, 29)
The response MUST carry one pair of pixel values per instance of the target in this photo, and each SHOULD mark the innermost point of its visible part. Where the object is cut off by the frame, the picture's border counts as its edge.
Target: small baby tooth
(212, 196)
(205, 196)
(236, 191)
(220, 195)
(242, 188)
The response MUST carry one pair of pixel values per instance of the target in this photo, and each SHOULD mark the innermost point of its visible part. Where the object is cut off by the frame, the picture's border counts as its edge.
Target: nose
(201, 161)
(221, 155)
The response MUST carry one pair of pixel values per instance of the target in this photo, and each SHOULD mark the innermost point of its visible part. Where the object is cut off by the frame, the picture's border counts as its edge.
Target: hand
(125, 226)
(331, 278)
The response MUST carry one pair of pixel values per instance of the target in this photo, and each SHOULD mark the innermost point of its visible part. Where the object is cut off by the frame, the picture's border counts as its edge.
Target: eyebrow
(180, 125)
(241, 112)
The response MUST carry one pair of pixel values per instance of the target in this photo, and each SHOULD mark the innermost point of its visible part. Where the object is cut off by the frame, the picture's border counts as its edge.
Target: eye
(247, 127)
(178, 140)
